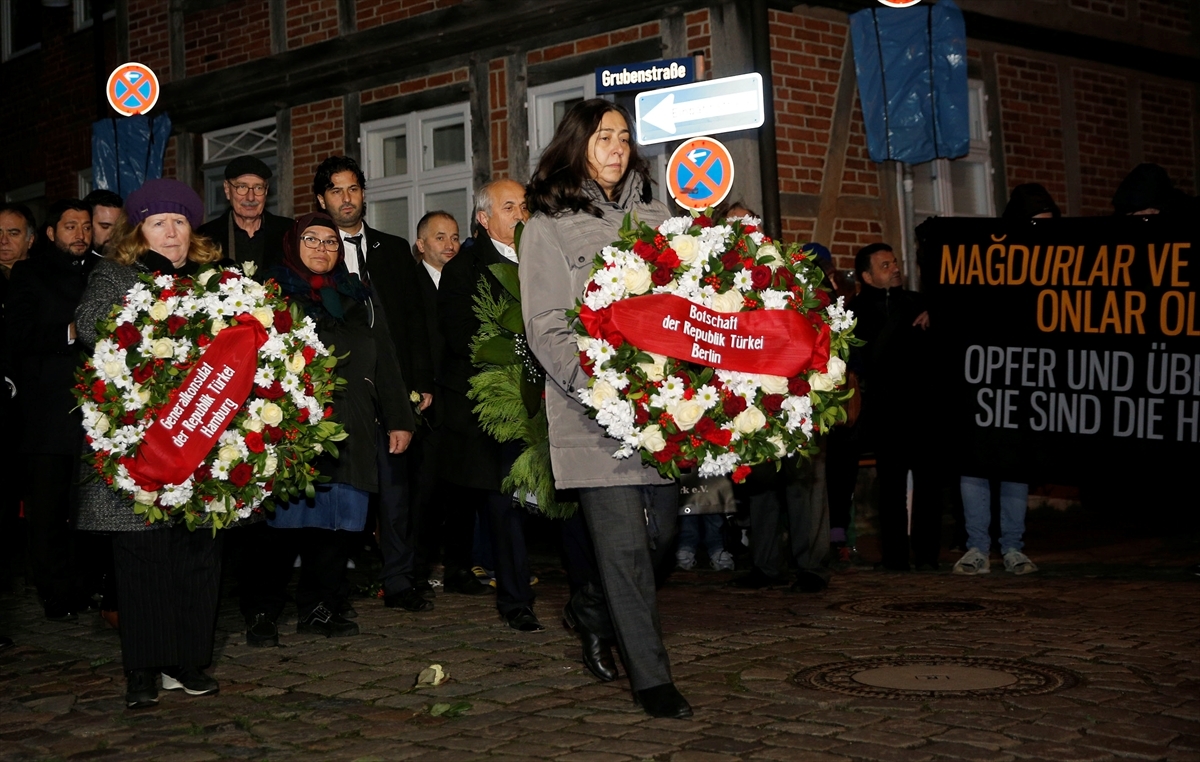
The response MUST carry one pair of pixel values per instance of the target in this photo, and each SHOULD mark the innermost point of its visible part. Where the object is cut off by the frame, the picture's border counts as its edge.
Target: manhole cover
(914, 678)
(893, 607)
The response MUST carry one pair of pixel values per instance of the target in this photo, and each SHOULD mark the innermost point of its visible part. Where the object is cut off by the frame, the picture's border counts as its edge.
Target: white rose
(142, 395)
(770, 253)
(602, 392)
(249, 268)
(637, 280)
(270, 465)
(144, 497)
(652, 438)
(780, 447)
(821, 382)
(101, 425)
(253, 424)
(264, 316)
(295, 363)
(228, 454)
(655, 370)
(728, 301)
(686, 248)
(160, 311)
(749, 420)
(271, 414)
(218, 325)
(687, 413)
(773, 384)
(206, 276)
(836, 369)
(113, 369)
(163, 348)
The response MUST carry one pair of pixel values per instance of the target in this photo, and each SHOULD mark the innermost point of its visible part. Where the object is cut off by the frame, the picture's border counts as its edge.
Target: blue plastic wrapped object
(128, 151)
(912, 79)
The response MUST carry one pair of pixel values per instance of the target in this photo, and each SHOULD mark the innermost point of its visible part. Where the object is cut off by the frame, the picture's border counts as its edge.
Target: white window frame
(418, 181)
(6, 41)
(83, 182)
(540, 108)
(222, 146)
(81, 20)
(979, 153)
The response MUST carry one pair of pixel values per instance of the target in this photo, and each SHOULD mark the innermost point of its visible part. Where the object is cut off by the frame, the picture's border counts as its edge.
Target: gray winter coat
(556, 261)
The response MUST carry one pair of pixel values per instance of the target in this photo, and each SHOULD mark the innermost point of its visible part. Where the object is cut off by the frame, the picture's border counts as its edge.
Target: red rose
(677, 437)
(748, 229)
(661, 276)
(710, 431)
(668, 259)
(98, 390)
(143, 372)
(733, 404)
(273, 433)
(254, 442)
(302, 415)
(586, 364)
(241, 474)
(328, 412)
(174, 323)
(309, 353)
(127, 335)
(203, 340)
(128, 418)
(740, 473)
(703, 221)
(203, 473)
(760, 277)
(272, 392)
(730, 260)
(645, 250)
(783, 278)
(822, 297)
(283, 321)
(641, 415)
(773, 403)
(229, 275)
(667, 453)
(798, 386)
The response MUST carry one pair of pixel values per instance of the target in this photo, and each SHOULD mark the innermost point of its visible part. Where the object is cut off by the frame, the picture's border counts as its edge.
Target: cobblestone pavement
(1128, 631)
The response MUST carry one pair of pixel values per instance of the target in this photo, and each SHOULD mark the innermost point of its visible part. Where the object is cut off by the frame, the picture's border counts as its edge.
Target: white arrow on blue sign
(701, 108)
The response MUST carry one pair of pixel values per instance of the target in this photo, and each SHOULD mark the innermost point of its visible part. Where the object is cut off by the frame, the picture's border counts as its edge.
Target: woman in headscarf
(167, 578)
(588, 179)
(350, 324)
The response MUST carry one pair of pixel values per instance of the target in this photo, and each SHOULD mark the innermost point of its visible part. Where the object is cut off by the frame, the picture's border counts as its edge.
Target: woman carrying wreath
(168, 578)
(588, 179)
(352, 326)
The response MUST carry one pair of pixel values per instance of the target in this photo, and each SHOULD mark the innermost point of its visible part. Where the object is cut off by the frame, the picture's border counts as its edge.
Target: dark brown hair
(557, 184)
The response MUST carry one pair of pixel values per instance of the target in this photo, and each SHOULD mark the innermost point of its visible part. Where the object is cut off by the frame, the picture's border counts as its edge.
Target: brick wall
(171, 158)
(1102, 115)
(1167, 128)
(1169, 14)
(310, 21)
(498, 116)
(149, 36)
(410, 86)
(598, 42)
(374, 12)
(851, 235)
(1031, 122)
(318, 132)
(227, 35)
(698, 28)
(1115, 8)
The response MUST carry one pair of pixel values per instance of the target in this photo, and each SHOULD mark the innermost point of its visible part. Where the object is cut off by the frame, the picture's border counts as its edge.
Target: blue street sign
(645, 76)
(701, 108)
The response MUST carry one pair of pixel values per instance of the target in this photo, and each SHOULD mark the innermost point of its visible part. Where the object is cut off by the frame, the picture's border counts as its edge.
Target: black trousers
(841, 473)
(323, 554)
(398, 521)
(893, 460)
(50, 541)
(169, 581)
(449, 521)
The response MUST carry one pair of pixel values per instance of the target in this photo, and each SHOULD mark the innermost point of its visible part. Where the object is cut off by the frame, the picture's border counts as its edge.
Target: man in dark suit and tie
(500, 207)
(385, 263)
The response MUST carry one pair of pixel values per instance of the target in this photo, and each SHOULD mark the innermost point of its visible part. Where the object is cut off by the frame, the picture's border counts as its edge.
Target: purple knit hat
(162, 197)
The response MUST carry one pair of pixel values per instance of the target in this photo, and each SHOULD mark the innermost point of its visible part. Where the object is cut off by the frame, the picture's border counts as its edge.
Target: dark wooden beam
(991, 88)
(518, 116)
(285, 179)
(1070, 139)
(352, 121)
(277, 15)
(835, 152)
(481, 123)
(420, 101)
(574, 66)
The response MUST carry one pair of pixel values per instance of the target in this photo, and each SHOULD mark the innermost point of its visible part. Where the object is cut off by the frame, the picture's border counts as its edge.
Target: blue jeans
(977, 510)
(690, 532)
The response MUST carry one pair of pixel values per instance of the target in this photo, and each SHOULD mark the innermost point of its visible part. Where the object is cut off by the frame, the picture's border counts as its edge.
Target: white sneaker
(1018, 563)
(973, 562)
(722, 561)
(685, 559)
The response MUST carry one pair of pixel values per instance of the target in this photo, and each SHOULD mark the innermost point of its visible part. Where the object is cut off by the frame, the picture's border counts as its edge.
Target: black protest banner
(1071, 346)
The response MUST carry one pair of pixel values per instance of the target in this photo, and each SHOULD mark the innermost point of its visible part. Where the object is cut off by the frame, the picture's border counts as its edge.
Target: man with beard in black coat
(500, 207)
(40, 326)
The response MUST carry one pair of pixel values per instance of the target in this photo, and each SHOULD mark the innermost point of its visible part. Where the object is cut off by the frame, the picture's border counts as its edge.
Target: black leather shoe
(465, 583)
(322, 621)
(663, 701)
(425, 590)
(141, 688)
(755, 579)
(261, 631)
(809, 582)
(408, 599)
(523, 619)
(348, 611)
(597, 652)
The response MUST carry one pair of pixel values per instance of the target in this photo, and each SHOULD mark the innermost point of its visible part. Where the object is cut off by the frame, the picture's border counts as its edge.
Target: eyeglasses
(242, 190)
(329, 244)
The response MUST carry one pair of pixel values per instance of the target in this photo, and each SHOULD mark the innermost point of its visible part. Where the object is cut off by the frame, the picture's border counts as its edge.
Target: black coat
(394, 280)
(42, 296)
(462, 436)
(429, 297)
(272, 231)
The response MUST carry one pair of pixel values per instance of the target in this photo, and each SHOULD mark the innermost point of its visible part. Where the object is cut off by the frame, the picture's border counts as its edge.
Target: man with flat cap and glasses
(247, 232)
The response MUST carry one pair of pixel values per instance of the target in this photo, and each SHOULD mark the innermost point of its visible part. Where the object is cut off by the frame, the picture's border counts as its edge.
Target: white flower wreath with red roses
(751, 352)
(160, 377)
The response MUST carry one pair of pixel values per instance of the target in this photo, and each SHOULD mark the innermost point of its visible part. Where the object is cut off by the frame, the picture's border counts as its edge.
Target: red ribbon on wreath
(189, 424)
(772, 342)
